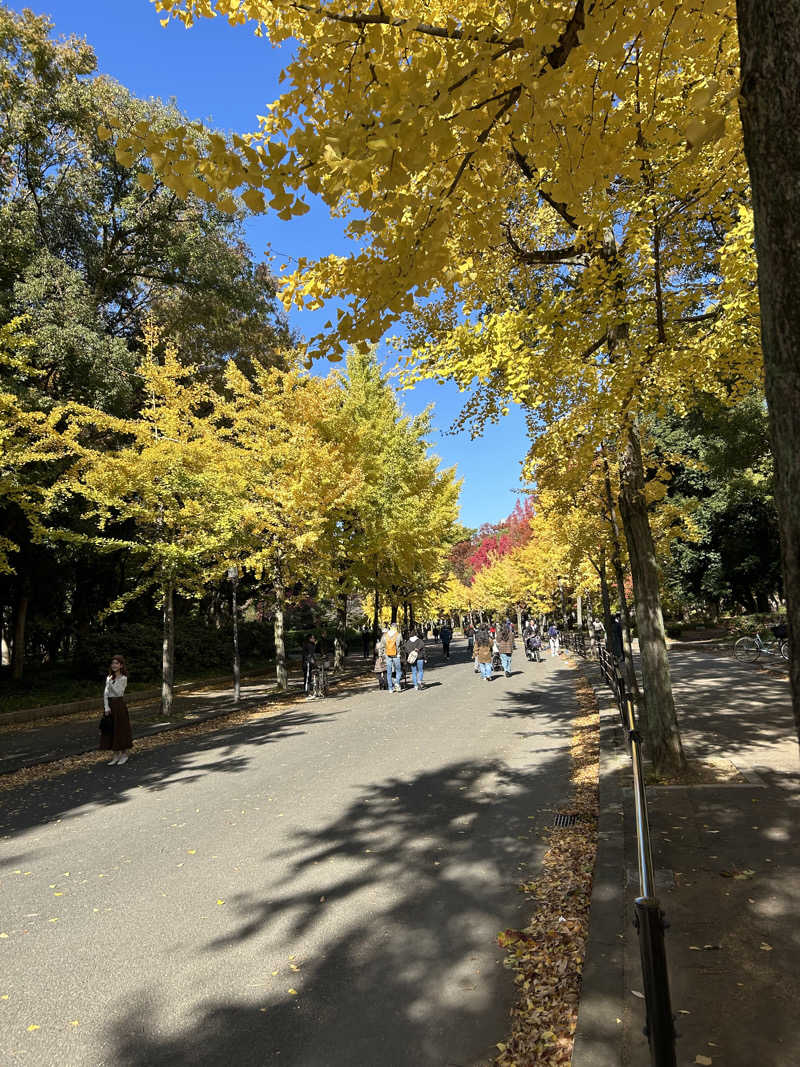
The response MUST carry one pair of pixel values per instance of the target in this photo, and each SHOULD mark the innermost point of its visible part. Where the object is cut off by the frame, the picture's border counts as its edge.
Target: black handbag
(106, 723)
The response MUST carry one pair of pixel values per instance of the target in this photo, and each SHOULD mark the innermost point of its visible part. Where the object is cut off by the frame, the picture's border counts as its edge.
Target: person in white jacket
(115, 726)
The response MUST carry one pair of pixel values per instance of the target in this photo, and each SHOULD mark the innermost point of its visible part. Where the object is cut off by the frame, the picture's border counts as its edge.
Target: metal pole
(649, 918)
(233, 574)
(660, 1028)
(643, 852)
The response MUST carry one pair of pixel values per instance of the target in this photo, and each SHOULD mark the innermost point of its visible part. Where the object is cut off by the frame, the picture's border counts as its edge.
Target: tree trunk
(281, 673)
(661, 724)
(168, 652)
(579, 612)
(20, 617)
(341, 631)
(605, 597)
(519, 620)
(411, 621)
(616, 562)
(769, 45)
(394, 611)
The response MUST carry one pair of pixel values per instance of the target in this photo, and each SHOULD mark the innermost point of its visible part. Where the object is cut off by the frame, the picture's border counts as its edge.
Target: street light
(233, 574)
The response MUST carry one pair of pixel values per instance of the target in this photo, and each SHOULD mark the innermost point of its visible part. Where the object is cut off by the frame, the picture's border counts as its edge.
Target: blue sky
(225, 76)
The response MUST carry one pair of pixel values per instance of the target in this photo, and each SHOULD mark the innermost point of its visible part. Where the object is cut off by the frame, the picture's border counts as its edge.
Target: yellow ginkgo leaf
(220, 902)
(293, 992)
(33, 1027)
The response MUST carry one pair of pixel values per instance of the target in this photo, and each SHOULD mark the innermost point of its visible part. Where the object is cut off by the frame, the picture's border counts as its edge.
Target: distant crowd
(400, 653)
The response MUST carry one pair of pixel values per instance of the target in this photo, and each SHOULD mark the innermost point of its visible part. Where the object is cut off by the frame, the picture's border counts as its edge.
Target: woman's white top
(115, 687)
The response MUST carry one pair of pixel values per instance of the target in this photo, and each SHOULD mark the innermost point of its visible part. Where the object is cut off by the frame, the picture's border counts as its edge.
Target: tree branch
(568, 257)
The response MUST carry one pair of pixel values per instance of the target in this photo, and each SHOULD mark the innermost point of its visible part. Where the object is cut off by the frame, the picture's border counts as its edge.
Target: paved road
(318, 889)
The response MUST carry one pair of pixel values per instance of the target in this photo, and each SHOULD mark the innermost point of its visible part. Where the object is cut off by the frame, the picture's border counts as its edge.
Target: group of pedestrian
(491, 648)
(395, 653)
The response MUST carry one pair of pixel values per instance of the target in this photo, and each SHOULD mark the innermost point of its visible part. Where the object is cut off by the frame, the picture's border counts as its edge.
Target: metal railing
(649, 919)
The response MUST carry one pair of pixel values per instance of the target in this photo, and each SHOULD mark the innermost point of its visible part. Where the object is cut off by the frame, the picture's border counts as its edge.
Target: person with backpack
(414, 652)
(483, 653)
(390, 648)
(505, 646)
(552, 633)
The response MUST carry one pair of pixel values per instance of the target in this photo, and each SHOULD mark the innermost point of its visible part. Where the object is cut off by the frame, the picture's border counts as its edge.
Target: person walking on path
(505, 646)
(469, 633)
(483, 653)
(115, 729)
(446, 634)
(552, 633)
(309, 654)
(379, 667)
(366, 640)
(390, 648)
(414, 650)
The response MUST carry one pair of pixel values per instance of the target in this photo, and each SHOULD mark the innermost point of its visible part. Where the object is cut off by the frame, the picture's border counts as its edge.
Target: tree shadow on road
(191, 755)
(416, 876)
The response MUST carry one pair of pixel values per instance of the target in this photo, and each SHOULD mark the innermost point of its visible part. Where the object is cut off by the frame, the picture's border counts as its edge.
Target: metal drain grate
(565, 818)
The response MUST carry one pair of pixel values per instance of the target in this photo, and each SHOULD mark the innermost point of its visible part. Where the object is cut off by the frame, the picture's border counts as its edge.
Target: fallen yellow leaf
(191, 851)
(220, 902)
(33, 1027)
(293, 992)
(705, 1061)
(765, 947)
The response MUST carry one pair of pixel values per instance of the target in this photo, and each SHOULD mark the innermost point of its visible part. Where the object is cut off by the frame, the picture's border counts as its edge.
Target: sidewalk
(28, 744)
(727, 859)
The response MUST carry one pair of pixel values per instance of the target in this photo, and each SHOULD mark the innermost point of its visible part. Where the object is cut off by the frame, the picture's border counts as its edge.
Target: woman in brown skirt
(119, 737)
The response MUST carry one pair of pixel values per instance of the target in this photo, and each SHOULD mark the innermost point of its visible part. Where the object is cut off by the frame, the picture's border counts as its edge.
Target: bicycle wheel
(746, 650)
(785, 649)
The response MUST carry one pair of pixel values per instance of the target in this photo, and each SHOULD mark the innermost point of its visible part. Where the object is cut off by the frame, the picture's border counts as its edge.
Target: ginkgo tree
(164, 486)
(437, 131)
(298, 456)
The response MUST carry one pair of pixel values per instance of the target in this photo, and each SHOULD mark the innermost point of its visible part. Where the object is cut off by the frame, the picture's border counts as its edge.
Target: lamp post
(233, 574)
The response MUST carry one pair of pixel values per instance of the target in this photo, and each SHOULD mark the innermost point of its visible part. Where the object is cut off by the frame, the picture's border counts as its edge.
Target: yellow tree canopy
(164, 485)
(429, 129)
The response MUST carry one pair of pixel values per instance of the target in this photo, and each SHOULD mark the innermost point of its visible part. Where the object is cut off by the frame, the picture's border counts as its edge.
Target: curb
(599, 1035)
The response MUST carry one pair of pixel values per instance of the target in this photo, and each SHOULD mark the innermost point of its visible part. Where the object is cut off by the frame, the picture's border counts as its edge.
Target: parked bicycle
(748, 649)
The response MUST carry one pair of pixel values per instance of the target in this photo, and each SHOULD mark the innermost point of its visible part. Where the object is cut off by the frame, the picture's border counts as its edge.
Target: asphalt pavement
(317, 888)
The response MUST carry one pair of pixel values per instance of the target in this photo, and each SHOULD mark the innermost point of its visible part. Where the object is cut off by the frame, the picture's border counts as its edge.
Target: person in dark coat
(414, 653)
(115, 729)
(446, 634)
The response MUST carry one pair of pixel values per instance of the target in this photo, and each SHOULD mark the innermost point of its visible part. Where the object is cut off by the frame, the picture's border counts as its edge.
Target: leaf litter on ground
(547, 956)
